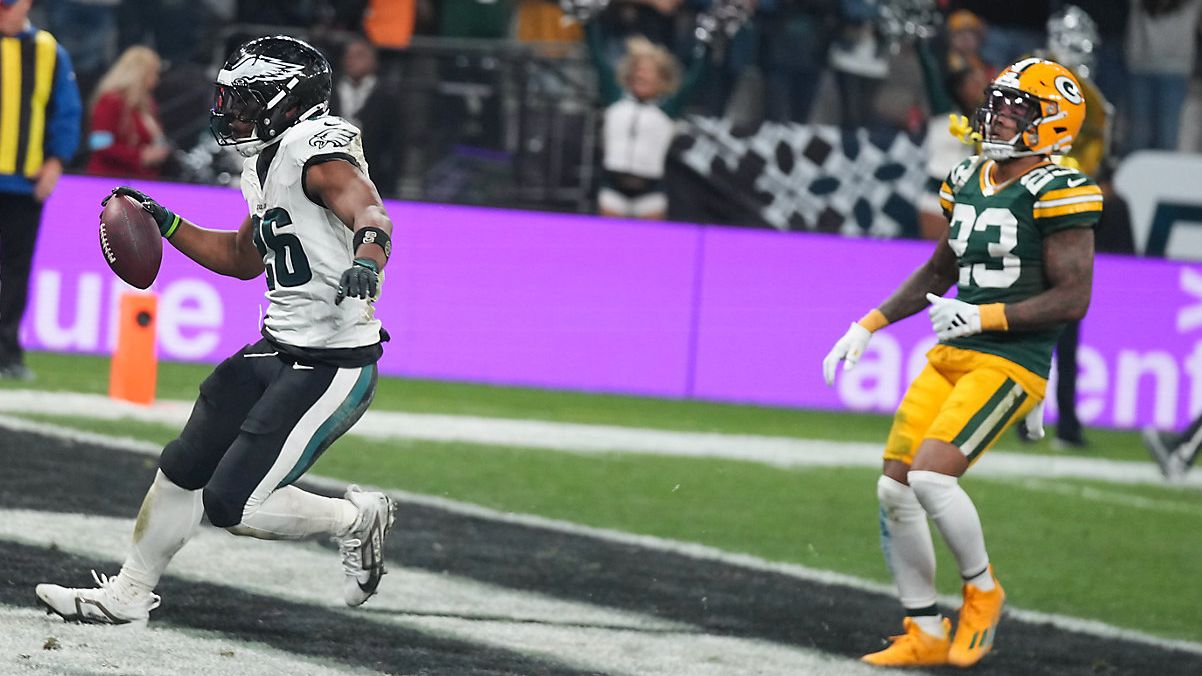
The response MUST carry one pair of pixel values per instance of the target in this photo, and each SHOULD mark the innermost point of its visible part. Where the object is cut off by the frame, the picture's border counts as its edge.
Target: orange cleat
(977, 628)
(915, 648)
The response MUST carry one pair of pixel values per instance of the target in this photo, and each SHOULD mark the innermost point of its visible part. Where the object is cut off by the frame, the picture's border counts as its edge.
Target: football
(130, 241)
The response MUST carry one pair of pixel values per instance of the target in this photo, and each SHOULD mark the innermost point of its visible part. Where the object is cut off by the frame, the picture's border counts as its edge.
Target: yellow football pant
(965, 398)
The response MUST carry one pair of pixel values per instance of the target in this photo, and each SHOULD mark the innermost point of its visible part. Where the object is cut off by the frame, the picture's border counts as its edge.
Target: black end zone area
(55, 475)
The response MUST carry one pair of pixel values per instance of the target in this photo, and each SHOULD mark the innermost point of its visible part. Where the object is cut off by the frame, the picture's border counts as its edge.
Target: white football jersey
(306, 247)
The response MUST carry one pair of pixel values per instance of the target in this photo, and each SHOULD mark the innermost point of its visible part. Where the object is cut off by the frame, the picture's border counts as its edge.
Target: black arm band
(373, 235)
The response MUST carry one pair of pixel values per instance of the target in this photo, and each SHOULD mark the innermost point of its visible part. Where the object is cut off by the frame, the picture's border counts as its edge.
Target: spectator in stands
(41, 132)
(362, 96)
(543, 21)
(391, 23)
(475, 18)
(1110, 67)
(1161, 43)
(126, 137)
(88, 31)
(795, 42)
(652, 19)
(965, 37)
(641, 99)
(1015, 28)
(954, 87)
(858, 61)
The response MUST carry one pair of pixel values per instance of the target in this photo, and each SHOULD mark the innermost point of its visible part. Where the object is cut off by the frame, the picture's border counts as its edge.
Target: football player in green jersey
(1020, 251)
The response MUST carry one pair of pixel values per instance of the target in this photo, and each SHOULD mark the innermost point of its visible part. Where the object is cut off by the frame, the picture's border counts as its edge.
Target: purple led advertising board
(661, 309)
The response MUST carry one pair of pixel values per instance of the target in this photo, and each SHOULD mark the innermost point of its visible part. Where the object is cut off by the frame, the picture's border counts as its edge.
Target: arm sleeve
(938, 98)
(692, 79)
(105, 140)
(62, 139)
(607, 79)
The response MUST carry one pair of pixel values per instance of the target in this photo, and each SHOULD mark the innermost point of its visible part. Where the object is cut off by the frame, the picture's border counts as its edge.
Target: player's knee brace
(933, 490)
(222, 510)
(179, 463)
(898, 502)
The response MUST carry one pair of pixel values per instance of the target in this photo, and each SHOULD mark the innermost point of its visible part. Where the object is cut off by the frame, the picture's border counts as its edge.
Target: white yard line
(92, 649)
(566, 632)
(591, 439)
(693, 550)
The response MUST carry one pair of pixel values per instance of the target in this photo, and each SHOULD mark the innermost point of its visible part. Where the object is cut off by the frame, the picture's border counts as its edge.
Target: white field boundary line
(692, 550)
(781, 452)
(130, 650)
(1113, 497)
(577, 634)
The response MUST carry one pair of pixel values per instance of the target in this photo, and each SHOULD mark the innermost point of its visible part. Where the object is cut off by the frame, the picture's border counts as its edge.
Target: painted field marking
(693, 550)
(782, 452)
(564, 632)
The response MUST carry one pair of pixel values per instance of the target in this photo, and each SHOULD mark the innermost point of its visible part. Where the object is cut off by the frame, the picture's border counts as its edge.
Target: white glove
(951, 318)
(848, 349)
(1034, 421)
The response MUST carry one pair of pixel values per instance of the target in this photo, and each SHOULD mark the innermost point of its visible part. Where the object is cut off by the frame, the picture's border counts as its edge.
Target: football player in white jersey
(318, 232)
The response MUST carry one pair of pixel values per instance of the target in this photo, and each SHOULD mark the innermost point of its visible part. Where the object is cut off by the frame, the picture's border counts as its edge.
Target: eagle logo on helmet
(258, 68)
(267, 86)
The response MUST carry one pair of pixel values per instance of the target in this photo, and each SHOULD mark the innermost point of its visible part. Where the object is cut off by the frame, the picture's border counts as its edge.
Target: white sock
(930, 624)
(168, 518)
(956, 518)
(906, 541)
(290, 513)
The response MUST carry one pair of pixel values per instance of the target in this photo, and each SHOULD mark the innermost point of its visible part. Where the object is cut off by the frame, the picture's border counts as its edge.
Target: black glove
(361, 280)
(163, 217)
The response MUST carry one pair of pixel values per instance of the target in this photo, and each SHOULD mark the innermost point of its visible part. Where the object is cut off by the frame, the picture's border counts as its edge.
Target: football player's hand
(848, 349)
(163, 217)
(1034, 423)
(952, 318)
(361, 280)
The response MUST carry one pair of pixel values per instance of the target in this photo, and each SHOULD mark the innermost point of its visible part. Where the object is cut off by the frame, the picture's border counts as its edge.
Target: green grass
(1120, 554)
(179, 381)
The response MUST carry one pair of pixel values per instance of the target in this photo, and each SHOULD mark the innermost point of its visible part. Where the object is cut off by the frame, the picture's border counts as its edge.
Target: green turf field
(1121, 554)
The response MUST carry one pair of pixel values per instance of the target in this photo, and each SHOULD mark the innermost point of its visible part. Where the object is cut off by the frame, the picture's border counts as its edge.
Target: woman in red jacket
(126, 138)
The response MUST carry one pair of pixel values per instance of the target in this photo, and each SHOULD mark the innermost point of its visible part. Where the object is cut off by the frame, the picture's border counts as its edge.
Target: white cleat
(363, 548)
(1163, 447)
(102, 604)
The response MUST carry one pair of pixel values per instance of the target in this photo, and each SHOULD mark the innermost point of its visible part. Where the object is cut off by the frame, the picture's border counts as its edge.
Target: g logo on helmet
(1068, 89)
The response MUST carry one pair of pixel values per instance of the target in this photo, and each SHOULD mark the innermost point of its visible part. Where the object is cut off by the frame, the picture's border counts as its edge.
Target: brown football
(130, 241)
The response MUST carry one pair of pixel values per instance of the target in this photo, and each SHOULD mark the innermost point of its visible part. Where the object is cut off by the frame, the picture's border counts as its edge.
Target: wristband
(373, 235)
(993, 317)
(874, 320)
(172, 226)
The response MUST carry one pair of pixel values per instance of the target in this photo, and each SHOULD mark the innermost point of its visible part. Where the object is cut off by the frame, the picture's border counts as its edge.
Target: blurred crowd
(143, 69)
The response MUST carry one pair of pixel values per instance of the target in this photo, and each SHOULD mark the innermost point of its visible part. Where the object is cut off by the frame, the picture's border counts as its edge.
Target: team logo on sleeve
(336, 137)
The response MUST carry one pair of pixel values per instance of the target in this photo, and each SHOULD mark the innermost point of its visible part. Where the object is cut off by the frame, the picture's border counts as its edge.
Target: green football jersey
(997, 231)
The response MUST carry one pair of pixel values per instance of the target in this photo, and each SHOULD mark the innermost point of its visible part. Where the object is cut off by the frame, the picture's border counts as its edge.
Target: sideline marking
(784, 452)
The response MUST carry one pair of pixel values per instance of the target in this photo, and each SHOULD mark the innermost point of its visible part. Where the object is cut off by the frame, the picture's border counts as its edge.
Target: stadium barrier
(660, 309)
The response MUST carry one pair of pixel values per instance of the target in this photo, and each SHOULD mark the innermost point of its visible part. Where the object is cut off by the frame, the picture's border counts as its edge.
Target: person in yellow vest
(39, 132)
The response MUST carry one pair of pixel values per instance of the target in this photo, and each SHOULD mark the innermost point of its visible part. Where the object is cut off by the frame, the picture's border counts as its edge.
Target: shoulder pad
(1050, 177)
(321, 136)
(960, 174)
